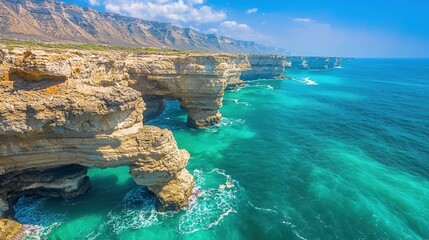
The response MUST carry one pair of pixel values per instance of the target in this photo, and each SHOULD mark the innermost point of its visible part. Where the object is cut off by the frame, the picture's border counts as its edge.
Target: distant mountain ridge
(55, 21)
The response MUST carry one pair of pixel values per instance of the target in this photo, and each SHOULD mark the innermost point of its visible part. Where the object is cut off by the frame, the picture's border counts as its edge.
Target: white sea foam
(38, 223)
(226, 122)
(266, 210)
(215, 198)
(237, 101)
(284, 218)
(238, 89)
(137, 211)
(308, 81)
(215, 204)
(210, 203)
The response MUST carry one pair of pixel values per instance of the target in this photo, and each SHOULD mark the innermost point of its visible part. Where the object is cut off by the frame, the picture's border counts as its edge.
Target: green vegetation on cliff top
(14, 43)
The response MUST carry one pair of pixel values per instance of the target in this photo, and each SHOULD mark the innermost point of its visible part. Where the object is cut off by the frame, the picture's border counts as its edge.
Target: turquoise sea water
(336, 154)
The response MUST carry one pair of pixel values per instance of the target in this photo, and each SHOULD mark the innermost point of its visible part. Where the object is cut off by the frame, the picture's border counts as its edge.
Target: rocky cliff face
(55, 21)
(197, 80)
(314, 63)
(265, 67)
(64, 110)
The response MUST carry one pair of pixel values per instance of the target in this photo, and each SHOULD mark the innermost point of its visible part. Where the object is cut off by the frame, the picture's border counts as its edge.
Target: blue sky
(365, 28)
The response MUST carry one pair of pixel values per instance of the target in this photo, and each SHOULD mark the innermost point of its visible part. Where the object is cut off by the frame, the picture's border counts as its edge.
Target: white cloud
(241, 31)
(301, 20)
(174, 11)
(184, 13)
(211, 30)
(252, 10)
(112, 8)
(94, 2)
(235, 26)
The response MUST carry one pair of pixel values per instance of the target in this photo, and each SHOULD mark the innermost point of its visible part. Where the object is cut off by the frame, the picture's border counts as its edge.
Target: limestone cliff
(265, 67)
(64, 110)
(197, 80)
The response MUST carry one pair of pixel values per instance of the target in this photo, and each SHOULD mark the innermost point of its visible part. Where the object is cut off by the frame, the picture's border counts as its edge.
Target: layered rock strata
(46, 131)
(62, 111)
(265, 67)
(66, 182)
(197, 80)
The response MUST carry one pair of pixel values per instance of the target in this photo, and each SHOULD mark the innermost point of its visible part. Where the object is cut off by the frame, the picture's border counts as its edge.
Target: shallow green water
(342, 153)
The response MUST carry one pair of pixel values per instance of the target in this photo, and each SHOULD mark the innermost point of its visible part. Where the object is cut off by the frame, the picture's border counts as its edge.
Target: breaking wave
(214, 203)
(137, 211)
(237, 101)
(306, 81)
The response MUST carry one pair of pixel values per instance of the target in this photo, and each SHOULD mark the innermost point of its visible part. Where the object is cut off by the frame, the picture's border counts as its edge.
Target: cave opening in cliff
(172, 116)
(47, 202)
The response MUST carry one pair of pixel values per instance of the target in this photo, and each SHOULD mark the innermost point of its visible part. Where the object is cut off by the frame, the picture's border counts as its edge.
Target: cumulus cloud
(94, 2)
(212, 30)
(235, 26)
(174, 11)
(252, 10)
(301, 20)
(241, 31)
(184, 13)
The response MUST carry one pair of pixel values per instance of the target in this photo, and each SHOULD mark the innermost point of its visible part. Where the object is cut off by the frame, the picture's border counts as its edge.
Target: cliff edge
(64, 110)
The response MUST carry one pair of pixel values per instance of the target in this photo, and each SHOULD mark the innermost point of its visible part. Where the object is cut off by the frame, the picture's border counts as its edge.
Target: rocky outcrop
(197, 80)
(11, 230)
(265, 67)
(314, 63)
(4, 208)
(48, 126)
(62, 111)
(56, 21)
(66, 182)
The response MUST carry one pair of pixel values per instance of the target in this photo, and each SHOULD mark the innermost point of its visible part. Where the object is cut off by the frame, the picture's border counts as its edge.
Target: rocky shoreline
(65, 110)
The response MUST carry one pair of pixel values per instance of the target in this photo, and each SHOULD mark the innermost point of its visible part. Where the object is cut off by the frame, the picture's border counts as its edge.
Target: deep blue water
(335, 154)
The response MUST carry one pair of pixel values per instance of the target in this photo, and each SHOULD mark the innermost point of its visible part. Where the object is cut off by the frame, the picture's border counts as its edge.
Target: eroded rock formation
(197, 80)
(62, 111)
(265, 67)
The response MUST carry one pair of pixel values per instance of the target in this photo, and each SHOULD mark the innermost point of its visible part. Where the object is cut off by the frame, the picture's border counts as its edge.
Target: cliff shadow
(111, 189)
(27, 80)
(173, 116)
